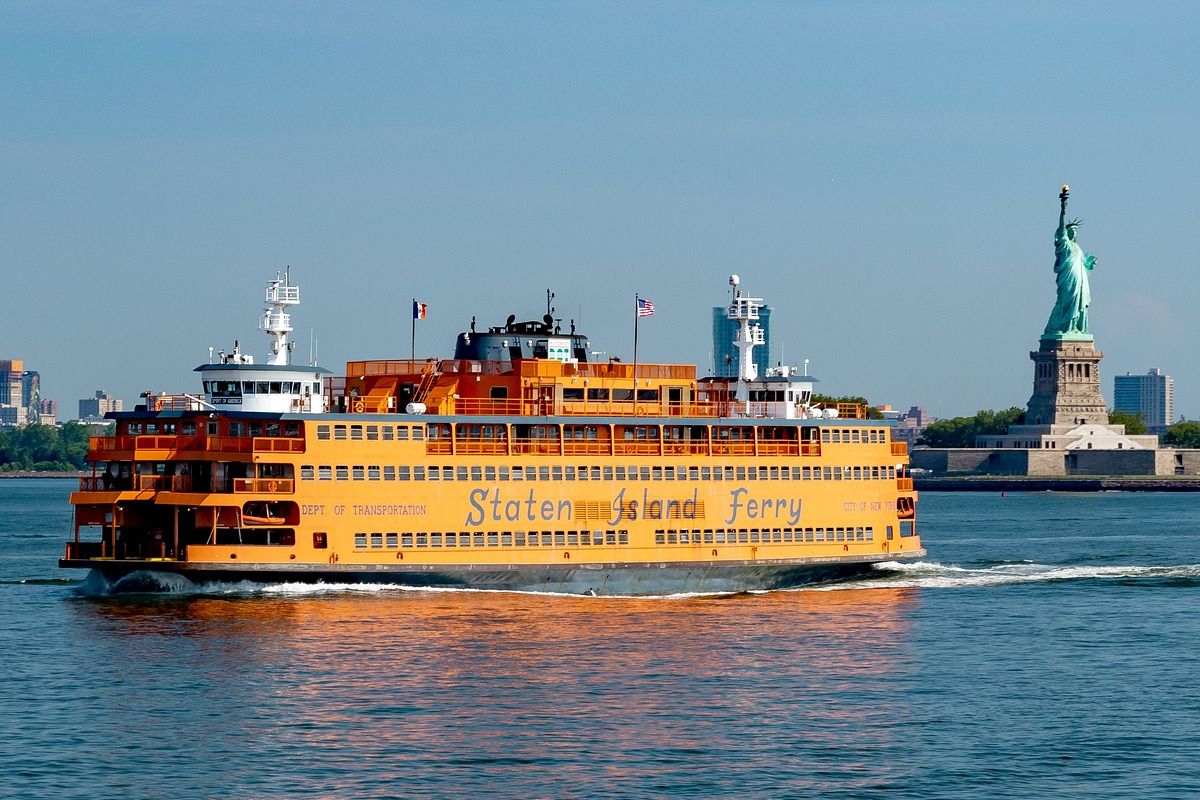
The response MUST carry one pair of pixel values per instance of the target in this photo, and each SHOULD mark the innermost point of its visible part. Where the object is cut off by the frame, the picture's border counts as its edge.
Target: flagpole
(636, 317)
(412, 353)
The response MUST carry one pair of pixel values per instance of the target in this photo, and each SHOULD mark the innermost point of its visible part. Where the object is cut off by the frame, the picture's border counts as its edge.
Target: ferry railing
(481, 446)
(273, 444)
(151, 483)
(899, 448)
(544, 447)
(810, 448)
(263, 485)
(637, 447)
(479, 406)
(904, 484)
(587, 447)
(728, 448)
(679, 448)
(95, 483)
(770, 448)
(438, 447)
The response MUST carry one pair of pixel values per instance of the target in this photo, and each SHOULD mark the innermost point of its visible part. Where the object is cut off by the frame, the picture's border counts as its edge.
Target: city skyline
(884, 177)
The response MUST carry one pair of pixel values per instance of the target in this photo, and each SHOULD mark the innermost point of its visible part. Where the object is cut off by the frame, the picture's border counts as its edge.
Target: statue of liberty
(1069, 319)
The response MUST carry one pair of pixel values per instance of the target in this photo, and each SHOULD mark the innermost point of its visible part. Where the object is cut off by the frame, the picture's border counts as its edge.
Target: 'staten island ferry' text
(517, 464)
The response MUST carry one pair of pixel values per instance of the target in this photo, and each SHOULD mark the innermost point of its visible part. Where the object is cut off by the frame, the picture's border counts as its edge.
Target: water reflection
(550, 696)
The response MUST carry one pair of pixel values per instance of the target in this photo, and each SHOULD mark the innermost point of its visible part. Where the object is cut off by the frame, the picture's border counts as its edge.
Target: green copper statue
(1069, 319)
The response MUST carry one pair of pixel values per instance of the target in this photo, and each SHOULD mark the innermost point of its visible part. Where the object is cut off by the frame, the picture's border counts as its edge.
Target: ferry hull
(593, 579)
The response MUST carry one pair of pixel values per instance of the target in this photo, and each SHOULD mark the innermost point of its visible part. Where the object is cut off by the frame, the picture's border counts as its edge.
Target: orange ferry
(518, 464)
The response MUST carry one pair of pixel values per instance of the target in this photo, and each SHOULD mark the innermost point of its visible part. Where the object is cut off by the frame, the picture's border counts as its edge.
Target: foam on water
(933, 575)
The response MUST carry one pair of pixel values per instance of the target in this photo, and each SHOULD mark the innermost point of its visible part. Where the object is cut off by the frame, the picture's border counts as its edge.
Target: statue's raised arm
(1069, 318)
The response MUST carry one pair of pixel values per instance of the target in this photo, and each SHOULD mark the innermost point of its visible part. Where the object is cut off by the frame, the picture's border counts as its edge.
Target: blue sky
(885, 174)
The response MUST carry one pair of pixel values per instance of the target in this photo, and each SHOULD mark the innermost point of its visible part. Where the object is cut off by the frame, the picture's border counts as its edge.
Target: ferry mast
(744, 310)
(276, 321)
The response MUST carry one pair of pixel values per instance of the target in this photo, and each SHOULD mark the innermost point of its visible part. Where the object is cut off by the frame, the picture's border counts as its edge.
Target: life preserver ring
(272, 486)
(359, 406)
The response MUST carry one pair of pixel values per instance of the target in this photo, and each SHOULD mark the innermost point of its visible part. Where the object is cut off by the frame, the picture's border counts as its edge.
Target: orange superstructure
(515, 464)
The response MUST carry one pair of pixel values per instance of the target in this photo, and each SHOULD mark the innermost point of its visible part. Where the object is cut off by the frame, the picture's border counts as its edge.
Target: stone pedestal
(1066, 384)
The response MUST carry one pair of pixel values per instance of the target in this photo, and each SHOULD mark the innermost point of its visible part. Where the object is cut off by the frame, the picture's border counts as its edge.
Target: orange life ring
(358, 406)
(272, 486)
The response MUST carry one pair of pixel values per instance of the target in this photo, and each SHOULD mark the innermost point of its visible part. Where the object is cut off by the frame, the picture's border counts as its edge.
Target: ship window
(451, 539)
(376, 540)
(320, 542)
(520, 538)
(306, 472)
(373, 473)
(247, 387)
(372, 433)
(498, 393)
(461, 473)
(402, 473)
(620, 473)
(776, 534)
(503, 473)
(358, 472)
(518, 473)
(669, 474)
(422, 539)
(254, 429)
(754, 534)
(406, 540)
(434, 473)
(477, 539)
(356, 432)
(573, 538)
(787, 534)
(506, 539)
(418, 434)
(339, 432)
(600, 395)
(323, 432)
(393, 540)
(477, 473)
(622, 395)
(402, 433)
(360, 540)
(597, 537)
(342, 473)
(544, 473)
(906, 529)
(573, 395)
(610, 537)
(386, 431)
(418, 473)
(557, 472)
(560, 539)
(582, 472)
(743, 536)
(324, 473)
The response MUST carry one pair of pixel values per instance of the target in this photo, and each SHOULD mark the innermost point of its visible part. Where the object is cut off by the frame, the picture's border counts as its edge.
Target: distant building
(99, 405)
(911, 424)
(725, 355)
(1152, 395)
(13, 408)
(48, 412)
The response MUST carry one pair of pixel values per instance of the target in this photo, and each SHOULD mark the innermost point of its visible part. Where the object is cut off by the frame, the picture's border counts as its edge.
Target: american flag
(644, 307)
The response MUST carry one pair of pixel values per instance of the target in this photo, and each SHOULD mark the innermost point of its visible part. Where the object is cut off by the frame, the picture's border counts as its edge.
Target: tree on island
(1183, 434)
(1132, 420)
(45, 448)
(962, 431)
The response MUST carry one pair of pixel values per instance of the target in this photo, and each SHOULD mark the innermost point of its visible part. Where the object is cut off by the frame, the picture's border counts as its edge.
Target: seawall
(1081, 483)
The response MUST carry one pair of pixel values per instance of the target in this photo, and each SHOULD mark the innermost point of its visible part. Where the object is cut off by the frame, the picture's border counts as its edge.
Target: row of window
(241, 388)
(480, 539)
(498, 432)
(767, 535)
(371, 433)
(479, 474)
(235, 428)
(422, 539)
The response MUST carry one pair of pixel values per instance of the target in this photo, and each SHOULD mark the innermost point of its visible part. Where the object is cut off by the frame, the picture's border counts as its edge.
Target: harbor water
(1048, 647)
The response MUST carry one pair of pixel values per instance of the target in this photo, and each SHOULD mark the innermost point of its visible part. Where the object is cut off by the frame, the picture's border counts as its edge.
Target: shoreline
(30, 473)
(1058, 483)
